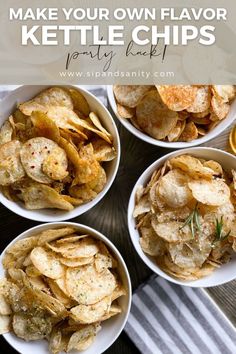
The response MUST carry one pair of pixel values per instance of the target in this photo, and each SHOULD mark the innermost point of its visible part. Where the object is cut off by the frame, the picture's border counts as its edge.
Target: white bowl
(24, 93)
(224, 124)
(111, 328)
(226, 272)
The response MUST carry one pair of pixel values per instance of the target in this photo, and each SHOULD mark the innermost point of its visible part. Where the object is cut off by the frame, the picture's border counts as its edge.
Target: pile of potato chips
(60, 286)
(52, 150)
(174, 113)
(186, 216)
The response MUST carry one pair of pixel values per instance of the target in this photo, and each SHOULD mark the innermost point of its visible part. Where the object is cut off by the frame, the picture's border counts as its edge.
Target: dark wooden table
(110, 218)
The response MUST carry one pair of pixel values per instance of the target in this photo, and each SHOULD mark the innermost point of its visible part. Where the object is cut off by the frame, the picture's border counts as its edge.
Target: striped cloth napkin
(167, 318)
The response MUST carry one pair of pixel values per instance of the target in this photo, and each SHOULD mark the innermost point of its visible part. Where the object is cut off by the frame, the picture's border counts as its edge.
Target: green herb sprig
(193, 221)
(219, 235)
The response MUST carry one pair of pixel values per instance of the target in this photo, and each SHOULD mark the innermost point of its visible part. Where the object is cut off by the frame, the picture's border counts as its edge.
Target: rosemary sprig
(193, 221)
(219, 235)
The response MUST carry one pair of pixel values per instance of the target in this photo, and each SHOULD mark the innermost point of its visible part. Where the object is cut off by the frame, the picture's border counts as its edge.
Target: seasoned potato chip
(31, 327)
(22, 246)
(79, 101)
(86, 247)
(87, 314)
(130, 95)
(55, 164)
(173, 189)
(220, 109)
(95, 120)
(103, 151)
(83, 338)
(176, 132)
(40, 196)
(153, 117)
(11, 169)
(6, 132)
(35, 152)
(172, 231)
(202, 100)
(54, 96)
(76, 262)
(59, 294)
(215, 192)
(189, 133)
(114, 310)
(54, 234)
(88, 286)
(47, 263)
(45, 127)
(214, 166)
(191, 165)
(224, 92)
(142, 207)
(150, 242)
(125, 112)
(179, 97)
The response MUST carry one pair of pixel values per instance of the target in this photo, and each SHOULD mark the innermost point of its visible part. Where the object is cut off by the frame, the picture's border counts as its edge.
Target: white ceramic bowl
(226, 272)
(225, 123)
(111, 328)
(24, 93)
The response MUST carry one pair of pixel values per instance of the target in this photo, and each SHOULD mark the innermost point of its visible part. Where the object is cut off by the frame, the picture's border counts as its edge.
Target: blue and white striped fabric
(167, 318)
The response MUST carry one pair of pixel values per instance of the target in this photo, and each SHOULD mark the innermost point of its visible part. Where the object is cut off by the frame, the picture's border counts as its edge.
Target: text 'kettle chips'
(53, 150)
(186, 216)
(62, 300)
(174, 112)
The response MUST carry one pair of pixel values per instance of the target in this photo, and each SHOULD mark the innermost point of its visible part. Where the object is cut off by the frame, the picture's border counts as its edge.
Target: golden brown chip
(103, 151)
(54, 234)
(179, 97)
(44, 126)
(202, 100)
(6, 132)
(220, 108)
(31, 327)
(125, 112)
(176, 132)
(87, 314)
(215, 192)
(153, 117)
(11, 169)
(5, 324)
(224, 92)
(189, 133)
(130, 95)
(191, 165)
(79, 101)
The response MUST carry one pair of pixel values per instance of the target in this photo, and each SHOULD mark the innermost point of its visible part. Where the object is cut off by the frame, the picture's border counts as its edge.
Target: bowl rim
(30, 232)
(224, 124)
(145, 258)
(37, 216)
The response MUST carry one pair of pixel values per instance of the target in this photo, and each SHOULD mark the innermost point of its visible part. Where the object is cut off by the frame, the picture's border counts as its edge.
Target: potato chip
(176, 132)
(55, 164)
(79, 102)
(5, 308)
(38, 283)
(6, 132)
(32, 271)
(201, 114)
(41, 196)
(23, 246)
(54, 96)
(215, 192)
(76, 262)
(191, 165)
(172, 231)
(214, 166)
(33, 154)
(59, 294)
(45, 127)
(71, 238)
(47, 263)
(142, 207)
(153, 117)
(220, 109)
(11, 169)
(95, 120)
(31, 327)
(130, 95)
(87, 314)
(55, 341)
(114, 310)
(88, 286)
(202, 100)
(102, 261)
(119, 291)
(86, 247)
(189, 133)
(150, 242)
(173, 189)
(54, 234)
(125, 112)
(224, 92)
(5, 324)
(179, 97)
(82, 339)
(103, 151)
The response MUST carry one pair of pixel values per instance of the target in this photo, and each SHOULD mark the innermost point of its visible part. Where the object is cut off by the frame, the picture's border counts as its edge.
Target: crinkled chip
(130, 95)
(153, 117)
(11, 169)
(40, 196)
(87, 286)
(215, 192)
(177, 97)
(47, 263)
(173, 189)
(202, 100)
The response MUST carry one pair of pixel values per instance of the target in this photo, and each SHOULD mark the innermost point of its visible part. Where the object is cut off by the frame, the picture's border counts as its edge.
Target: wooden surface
(109, 217)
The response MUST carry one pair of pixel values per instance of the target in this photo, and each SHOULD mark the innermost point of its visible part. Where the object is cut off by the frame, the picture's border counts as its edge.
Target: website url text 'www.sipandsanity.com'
(117, 74)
